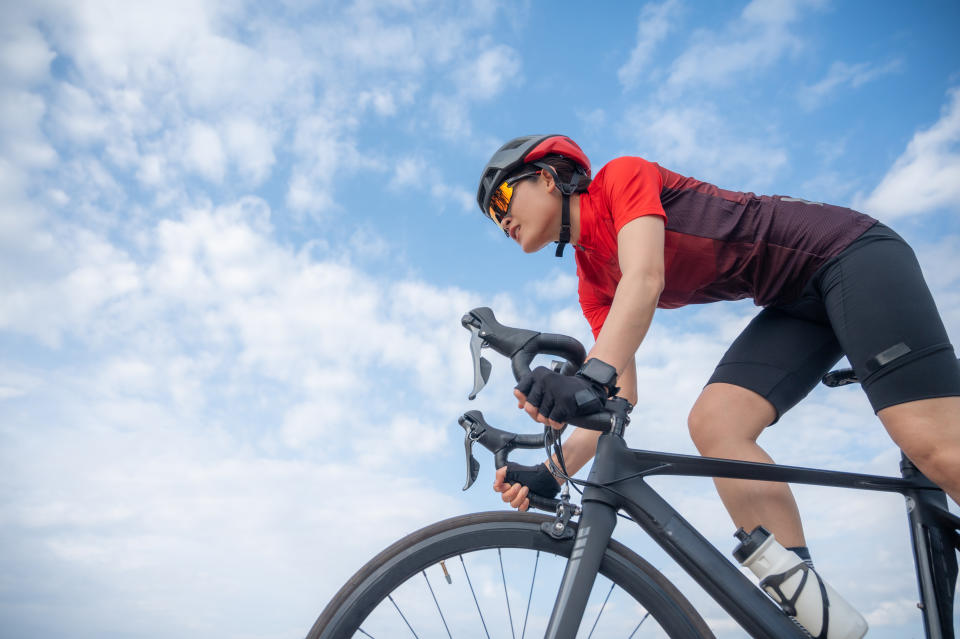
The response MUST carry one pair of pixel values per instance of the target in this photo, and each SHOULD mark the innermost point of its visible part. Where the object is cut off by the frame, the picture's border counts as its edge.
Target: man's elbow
(650, 281)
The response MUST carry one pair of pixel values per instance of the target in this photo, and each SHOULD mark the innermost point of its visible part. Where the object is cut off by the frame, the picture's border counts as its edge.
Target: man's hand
(514, 482)
(552, 398)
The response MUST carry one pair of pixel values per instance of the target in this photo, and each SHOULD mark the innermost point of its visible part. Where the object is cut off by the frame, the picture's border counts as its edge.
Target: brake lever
(481, 366)
(473, 432)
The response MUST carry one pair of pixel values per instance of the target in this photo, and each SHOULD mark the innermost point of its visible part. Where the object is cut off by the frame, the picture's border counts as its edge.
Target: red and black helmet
(529, 150)
(521, 151)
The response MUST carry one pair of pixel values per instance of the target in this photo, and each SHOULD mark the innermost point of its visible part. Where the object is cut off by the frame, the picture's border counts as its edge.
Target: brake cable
(552, 437)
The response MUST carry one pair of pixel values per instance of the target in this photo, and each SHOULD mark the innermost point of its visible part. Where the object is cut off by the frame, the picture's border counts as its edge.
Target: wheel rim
(504, 589)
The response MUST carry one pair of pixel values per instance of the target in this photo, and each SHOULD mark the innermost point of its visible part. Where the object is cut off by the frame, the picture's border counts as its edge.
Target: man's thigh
(780, 357)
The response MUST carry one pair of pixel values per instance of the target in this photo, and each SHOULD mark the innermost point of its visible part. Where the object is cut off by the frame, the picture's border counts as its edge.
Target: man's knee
(928, 431)
(712, 431)
(725, 416)
(703, 429)
(938, 460)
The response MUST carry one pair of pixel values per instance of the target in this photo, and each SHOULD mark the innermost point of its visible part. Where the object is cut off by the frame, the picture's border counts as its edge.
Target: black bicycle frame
(623, 471)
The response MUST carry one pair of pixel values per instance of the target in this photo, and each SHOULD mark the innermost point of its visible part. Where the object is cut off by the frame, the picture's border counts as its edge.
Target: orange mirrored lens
(500, 203)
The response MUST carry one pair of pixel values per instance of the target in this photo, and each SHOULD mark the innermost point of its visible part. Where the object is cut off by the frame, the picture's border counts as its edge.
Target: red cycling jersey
(719, 244)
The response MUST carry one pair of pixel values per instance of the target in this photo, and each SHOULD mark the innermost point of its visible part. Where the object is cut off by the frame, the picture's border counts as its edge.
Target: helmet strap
(566, 190)
(564, 225)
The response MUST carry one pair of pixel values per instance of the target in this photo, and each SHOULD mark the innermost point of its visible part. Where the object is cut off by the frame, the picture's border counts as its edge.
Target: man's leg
(725, 422)
(886, 320)
(928, 432)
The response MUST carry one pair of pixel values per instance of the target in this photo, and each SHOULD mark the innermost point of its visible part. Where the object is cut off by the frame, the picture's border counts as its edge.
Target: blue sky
(236, 240)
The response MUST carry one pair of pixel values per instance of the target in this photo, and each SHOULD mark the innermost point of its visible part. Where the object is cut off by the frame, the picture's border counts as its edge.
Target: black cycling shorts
(869, 303)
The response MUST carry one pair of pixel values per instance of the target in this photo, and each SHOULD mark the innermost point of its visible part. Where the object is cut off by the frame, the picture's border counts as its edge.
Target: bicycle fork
(597, 522)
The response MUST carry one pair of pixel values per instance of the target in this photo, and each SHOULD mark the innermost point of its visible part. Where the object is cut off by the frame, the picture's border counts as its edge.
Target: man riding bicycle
(831, 281)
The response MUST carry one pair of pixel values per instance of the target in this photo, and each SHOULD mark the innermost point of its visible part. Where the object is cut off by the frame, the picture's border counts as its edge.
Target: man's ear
(548, 181)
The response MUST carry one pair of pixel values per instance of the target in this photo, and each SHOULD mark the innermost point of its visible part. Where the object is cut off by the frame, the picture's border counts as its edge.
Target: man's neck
(575, 219)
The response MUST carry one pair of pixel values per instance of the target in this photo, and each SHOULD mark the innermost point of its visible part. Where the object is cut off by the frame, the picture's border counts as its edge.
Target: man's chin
(533, 248)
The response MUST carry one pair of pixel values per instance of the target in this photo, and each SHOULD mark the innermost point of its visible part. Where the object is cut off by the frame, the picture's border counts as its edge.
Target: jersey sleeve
(632, 190)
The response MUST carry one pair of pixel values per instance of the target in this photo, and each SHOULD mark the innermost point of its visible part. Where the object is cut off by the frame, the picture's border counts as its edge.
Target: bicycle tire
(394, 567)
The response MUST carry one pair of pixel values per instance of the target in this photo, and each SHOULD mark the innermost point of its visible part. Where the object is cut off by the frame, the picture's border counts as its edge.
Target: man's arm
(640, 247)
(640, 250)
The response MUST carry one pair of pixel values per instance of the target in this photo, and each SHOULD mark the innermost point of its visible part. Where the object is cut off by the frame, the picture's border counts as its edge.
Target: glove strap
(600, 373)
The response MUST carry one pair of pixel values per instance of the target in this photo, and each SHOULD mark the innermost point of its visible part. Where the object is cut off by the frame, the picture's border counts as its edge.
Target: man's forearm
(628, 321)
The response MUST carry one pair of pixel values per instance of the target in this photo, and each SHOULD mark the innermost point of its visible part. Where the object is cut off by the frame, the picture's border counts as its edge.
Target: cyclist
(831, 282)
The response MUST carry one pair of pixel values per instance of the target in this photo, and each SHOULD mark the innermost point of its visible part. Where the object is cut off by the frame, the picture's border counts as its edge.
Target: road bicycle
(562, 575)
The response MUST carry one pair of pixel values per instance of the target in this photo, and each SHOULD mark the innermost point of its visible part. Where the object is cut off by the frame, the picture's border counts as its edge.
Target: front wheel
(494, 575)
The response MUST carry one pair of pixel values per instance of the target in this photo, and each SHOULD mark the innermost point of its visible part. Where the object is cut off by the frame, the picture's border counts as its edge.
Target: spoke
(390, 597)
(503, 579)
(638, 626)
(597, 620)
(530, 596)
(436, 603)
(367, 634)
(476, 603)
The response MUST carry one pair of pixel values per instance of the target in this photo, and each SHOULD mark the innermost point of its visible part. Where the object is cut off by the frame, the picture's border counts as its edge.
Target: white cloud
(462, 199)
(203, 152)
(181, 505)
(481, 77)
(411, 171)
(697, 141)
(926, 177)
(132, 43)
(198, 88)
(655, 23)
(25, 56)
(563, 285)
(325, 146)
(21, 139)
(843, 74)
(250, 147)
(451, 116)
(54, 282)
(78, 115)
(493, 71)
(217, 396)
(416, 173)
(891, 613)
(941, 270)
(594, 119)
(153, 170)
(756, 41)
(840, 74)
(303, 194)
(383, 102)
(775, 12)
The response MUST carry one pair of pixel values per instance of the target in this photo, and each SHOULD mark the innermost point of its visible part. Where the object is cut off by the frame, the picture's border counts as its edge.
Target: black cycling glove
(537, 478)
(560, 397)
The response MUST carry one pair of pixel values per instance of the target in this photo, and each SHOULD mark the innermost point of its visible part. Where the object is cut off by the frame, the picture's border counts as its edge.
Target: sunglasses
(502, 197)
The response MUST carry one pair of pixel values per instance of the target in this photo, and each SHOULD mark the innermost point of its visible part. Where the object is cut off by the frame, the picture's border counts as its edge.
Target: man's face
(533, 220)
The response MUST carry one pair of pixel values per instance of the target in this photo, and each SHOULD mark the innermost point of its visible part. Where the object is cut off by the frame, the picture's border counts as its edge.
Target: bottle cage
(789, 604)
